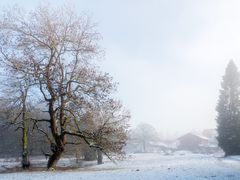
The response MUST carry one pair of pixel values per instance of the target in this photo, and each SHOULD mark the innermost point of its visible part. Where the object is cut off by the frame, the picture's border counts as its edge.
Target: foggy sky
(168, 56)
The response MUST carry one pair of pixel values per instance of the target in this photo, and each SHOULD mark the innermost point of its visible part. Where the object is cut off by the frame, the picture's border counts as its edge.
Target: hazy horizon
(168, 56)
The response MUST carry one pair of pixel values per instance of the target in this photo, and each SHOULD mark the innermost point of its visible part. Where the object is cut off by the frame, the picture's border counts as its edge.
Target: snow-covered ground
(147, 166)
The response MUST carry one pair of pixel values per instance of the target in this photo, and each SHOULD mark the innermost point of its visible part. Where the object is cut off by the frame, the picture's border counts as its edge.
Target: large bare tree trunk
(57, 147)
(54, 158)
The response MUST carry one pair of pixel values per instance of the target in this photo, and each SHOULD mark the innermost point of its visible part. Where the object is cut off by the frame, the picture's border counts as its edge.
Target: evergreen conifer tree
(228, 108)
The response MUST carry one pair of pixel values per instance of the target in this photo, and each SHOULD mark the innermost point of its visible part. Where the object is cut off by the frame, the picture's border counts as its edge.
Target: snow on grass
(147, 166)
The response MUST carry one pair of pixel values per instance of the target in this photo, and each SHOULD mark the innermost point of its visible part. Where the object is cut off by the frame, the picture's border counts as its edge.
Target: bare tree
(14, 94)
(55, 48)
(108, 124)
(143, 134)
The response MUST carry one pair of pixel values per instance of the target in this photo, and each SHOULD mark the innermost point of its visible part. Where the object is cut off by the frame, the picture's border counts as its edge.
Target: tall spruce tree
(228, 108)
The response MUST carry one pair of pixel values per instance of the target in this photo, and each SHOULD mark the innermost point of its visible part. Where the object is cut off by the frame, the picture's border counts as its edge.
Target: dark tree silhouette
(228, 109)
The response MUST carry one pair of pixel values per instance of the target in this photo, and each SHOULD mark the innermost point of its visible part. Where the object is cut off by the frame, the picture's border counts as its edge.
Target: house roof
(193, 134)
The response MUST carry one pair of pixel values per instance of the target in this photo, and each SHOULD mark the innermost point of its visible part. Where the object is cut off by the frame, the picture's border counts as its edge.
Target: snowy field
(147, 166)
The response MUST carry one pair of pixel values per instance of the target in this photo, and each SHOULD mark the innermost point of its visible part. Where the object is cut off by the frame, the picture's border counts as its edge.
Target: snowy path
(149, 167)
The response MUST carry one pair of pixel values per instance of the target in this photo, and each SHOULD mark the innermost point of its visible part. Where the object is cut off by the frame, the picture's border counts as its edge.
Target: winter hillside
(150, 166)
